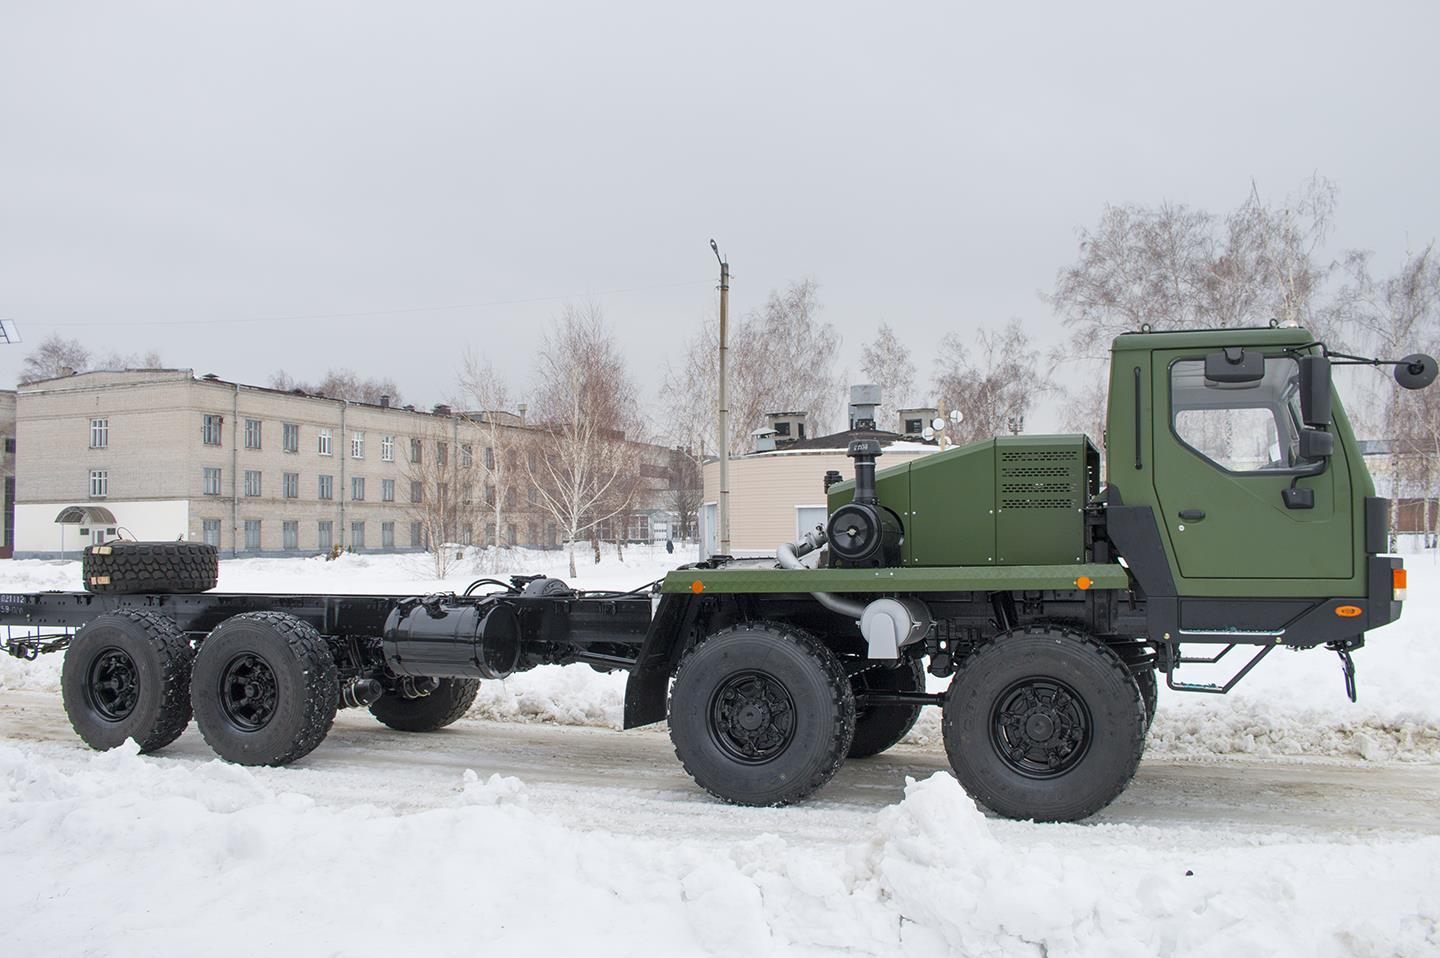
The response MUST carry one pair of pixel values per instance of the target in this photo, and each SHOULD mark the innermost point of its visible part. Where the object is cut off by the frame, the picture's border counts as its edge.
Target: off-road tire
(1149, 683)
(879, 727)
(427, 713)
(752, 663)
(132, 568)
(136, 659)
(994, 682)
(301, 672)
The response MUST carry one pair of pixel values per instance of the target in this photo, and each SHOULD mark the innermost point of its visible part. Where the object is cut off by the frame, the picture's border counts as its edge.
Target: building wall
(7, 472)
(768, 490)
(155, 459)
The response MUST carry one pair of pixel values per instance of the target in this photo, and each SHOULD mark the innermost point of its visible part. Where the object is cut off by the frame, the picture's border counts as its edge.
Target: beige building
(257, 471)
(7, 472)
(778, 495)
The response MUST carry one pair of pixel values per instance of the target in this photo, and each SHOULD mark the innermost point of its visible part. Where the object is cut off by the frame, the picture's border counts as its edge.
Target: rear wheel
(426, 713)
(1044, 723)
(264, 688)
(879, 727)
(127, 675)
(761, 714)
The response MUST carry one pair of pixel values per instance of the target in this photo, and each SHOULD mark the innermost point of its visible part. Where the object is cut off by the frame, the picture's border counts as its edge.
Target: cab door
(1224, 454)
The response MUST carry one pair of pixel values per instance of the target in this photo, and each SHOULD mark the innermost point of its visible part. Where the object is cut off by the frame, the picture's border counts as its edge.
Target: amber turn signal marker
(1348, 611)
(1082, 583)
(1398, 584)
(697, 586)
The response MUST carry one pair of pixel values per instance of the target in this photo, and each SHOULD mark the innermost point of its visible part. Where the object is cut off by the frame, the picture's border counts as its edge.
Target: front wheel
(761, 714)
(1044, 723)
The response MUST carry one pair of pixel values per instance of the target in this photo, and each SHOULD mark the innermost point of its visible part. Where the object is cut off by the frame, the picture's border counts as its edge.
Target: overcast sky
(172, 173)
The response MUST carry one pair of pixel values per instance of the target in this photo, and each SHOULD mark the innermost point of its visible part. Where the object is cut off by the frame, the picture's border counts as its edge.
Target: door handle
(1192, 515)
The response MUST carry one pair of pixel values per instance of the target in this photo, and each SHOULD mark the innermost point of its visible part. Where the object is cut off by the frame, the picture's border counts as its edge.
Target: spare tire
(128, 568)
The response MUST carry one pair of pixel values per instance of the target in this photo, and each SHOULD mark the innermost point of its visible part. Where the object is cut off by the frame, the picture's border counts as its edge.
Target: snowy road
(630, 781)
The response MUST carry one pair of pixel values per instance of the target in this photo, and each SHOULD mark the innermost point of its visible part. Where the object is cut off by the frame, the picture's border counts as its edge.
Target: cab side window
(1239, 427)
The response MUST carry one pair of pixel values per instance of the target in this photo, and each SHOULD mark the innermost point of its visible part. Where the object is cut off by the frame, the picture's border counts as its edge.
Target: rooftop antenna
(9, 333)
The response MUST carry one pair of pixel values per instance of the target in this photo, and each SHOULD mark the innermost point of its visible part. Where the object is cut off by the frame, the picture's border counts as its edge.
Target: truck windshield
(1240, 427)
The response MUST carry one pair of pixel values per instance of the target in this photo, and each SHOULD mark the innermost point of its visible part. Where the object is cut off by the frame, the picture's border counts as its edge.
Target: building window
(467, 455)
(414, 450)
(532, 496)
(291, 532)
(99, 483)
(210, 532)
(357, 535)
(252, 482)
(290, 437)
(325, 535)
(782, 428)
(99, 433)
(252, 533)
(357, 445)
(357, 488)
(323, 442)
(489, 458)
(489, 494)
(387, 490)
(210, 430)
(490, 534)
(442, 453)
(387, 448)
(252, 434)
(210, 484)
(291, 485)
(417, 536)
(10, 444)
(327, 487)
(914, 426)
(510, 533)
(417, 491)
(387, 535)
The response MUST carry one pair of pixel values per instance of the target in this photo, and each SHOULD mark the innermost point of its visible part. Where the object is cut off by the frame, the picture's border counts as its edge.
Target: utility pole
(724, 428)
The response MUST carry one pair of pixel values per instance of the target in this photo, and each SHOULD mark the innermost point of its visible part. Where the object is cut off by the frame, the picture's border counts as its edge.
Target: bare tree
(341, 384)
(52, 356)
(487, 396)
(686, 493)
(118, 360)
(436, 498)
(586, 401)
(782, 358)
(992, 387)
(886, 362)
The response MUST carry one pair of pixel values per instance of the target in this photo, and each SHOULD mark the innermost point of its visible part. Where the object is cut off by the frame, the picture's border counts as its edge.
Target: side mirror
(1316, 444)
(1315, 390)
(1232, 365)
(1415, 371)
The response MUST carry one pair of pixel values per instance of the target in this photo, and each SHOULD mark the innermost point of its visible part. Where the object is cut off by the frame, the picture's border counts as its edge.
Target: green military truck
(1235, 512)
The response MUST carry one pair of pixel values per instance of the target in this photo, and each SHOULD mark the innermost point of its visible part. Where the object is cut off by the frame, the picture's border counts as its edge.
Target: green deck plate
(950, 579)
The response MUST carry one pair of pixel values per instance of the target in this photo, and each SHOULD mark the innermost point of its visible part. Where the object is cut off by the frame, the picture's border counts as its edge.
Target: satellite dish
(956, 416)
(937, 424)
(927, 433)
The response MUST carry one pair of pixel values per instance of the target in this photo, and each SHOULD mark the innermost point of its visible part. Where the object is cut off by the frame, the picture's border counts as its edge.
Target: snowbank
(1291, 705)
(128, 855)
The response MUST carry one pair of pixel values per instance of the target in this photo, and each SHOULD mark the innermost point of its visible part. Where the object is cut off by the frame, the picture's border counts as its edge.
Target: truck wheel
(761, 714)
(265, 689)
(879, 727)
(131, 568)
(427, 713)
(1044, 723)
(127, 675)
(1149, 694)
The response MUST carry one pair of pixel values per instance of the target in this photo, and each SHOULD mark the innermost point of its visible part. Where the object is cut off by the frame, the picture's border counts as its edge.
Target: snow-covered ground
(1280, 819)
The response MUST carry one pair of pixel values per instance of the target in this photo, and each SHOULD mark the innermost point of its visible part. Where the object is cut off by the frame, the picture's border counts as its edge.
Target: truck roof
(1233, 336)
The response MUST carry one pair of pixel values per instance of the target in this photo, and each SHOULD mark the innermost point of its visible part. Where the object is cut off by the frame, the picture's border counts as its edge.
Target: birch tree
(992, 384)
(587, 403)
(487, 398)
(886, 363)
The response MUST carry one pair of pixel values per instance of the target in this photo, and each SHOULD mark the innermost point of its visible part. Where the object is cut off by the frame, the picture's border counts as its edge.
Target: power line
(369, 312)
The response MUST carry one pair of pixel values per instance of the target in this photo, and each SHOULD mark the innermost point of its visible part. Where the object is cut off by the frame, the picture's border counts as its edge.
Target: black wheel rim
(1040, 727)
(111, 685)
(752, 717)
(249, 693)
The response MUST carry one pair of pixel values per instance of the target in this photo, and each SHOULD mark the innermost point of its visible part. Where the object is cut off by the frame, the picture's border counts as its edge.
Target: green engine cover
(1015, 500)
